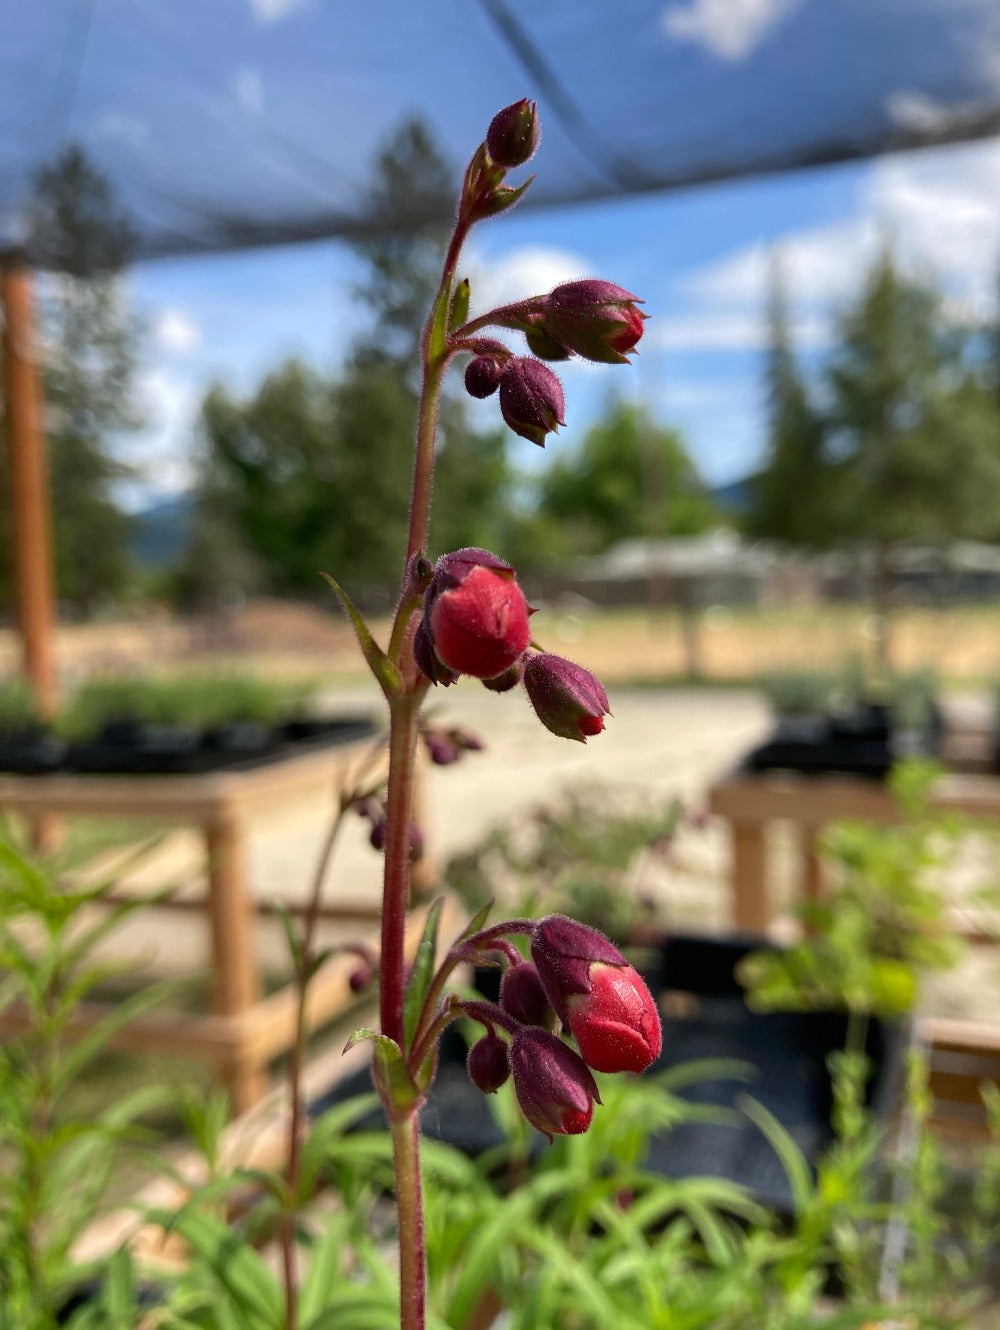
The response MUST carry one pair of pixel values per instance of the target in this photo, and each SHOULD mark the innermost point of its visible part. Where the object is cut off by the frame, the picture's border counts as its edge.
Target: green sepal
(459, 312)
(386, 674)
(422, 972)
(475, 923)
(392, 1076)
(500, 199)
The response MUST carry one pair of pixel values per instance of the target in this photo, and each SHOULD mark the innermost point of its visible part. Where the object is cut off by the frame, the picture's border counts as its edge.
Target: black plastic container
(862, 742)
(31, 751)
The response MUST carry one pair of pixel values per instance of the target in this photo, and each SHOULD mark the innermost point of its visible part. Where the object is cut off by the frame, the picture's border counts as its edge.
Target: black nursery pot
(31, 750)
(706, 1016)
(861, 742)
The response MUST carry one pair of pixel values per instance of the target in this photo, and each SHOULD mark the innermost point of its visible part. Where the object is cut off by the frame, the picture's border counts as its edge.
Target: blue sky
(699, 258)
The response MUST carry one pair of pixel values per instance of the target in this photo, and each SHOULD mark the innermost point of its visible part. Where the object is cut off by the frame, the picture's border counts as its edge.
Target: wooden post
(751, 907)
(235, 976)
(28, 485)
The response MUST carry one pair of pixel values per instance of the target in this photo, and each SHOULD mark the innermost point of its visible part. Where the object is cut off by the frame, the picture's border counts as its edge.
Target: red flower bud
(597, 320)
(554, 1086)
(524, 998)
(513, 135)
(482, 376)
(475, 617)
(568, 700)
(488, 1064)
(531, 399)
(597, 994)
(441, 748)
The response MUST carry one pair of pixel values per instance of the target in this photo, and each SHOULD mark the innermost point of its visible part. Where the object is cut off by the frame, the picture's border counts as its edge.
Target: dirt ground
(634, 645)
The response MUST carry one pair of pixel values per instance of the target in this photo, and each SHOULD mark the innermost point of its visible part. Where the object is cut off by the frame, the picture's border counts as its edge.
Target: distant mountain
(161, 532)
(734, 498)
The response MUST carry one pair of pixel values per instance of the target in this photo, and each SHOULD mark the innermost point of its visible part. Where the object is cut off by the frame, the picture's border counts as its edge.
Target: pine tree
(790, 498)
(82, 241)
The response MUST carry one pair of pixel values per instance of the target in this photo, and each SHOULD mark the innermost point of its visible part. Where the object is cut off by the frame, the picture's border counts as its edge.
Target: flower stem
(396, 882)
(412, 1278)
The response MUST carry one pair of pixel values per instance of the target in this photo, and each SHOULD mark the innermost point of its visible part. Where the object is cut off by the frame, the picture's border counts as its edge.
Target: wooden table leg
(235, 974)
(751, 907)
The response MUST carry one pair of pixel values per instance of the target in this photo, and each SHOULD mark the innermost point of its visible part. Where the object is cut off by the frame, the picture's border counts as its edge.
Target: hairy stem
(412, 1278)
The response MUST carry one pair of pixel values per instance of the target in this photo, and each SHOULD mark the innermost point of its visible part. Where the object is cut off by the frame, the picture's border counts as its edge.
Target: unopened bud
(595, 991)
(482, 376)
(531, 399)
(523, 997)
(567, 698)
(513, 135)
(596, 319)
(554, 1086)
(488, 1064)
(475, 618)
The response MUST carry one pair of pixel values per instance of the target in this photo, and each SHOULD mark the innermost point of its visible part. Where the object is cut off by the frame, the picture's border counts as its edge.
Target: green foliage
(58, 1156)
(797, 692)
(197, 700)
(18, 708)
(629, 478)
(585, 853)
(90, 340)
(882, 923)
(788, 498)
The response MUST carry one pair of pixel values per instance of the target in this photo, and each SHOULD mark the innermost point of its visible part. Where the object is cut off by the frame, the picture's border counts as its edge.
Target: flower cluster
(475, 622)
(576, 978)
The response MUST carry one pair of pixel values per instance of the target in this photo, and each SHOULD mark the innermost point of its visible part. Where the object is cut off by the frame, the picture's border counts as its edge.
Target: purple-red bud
(488, 1064)
(597, 994)
(441, 748)
(596, 319)
(531, 399)
(503, 683)
(523, 997)
(568, 699)
(360, 978)
(475, 617)
(554, 1086)
(513, 135)
(482, 376)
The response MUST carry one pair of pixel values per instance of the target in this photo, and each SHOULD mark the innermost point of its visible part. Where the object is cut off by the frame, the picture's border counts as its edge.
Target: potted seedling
(27, 745)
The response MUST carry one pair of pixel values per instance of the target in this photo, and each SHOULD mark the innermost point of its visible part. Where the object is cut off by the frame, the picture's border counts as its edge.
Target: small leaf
(386, 674)
(391, 1073)
(459, 305)
(475, 923)
(501, 198)
(422, 972)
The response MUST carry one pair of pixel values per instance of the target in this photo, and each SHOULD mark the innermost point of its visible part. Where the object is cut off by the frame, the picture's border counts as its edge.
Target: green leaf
(238, 1270)
(477, 921)
(783, 1145)
(422, 972)
(502, 198)
(390, 1070)
(459, 304)
(386, 674)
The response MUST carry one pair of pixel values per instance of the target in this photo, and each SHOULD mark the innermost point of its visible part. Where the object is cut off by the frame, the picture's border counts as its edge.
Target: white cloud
(176, 332)
(161, 451)
(937, 210)
(122, 126)
(270, 11)
(729, 29)
(529, 271)
(731, 330)
(249, 90)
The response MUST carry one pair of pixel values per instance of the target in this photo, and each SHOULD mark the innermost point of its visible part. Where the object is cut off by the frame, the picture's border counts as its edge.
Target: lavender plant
(465, 614)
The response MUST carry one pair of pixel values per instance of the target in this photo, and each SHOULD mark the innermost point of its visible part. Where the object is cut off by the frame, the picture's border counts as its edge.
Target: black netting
(232, 122)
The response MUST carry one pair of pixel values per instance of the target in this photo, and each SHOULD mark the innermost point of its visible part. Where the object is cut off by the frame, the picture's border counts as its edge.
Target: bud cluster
(579, 979)
(475, 622)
